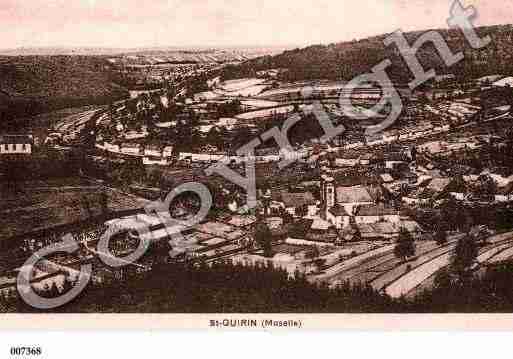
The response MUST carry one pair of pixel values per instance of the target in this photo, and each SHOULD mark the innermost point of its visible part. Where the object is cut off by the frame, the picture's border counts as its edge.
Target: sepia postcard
(226, 164)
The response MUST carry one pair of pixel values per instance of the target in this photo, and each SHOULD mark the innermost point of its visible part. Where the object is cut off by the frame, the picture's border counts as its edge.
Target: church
(343, 205)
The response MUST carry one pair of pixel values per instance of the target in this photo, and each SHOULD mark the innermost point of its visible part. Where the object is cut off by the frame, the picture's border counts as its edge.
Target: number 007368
(26, 351)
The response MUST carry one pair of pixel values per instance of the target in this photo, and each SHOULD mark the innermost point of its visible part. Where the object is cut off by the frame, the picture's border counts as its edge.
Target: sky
(149, 23)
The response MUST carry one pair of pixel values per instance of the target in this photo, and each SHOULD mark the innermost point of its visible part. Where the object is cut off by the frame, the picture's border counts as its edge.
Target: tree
(464, 256)
(104, 203)
(441, 237)
(263, 239)
(87, 206)
(313, 253)
(443, 279)
(319, 263)
(302, 210)
(214, 137)
(241, 136)
(486, 187)
(405, 246)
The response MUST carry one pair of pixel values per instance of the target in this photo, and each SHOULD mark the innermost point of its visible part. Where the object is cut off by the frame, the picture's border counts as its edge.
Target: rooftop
(355, 194)
(16, 139)
(338, 210)
(298, 199)
(375, 210)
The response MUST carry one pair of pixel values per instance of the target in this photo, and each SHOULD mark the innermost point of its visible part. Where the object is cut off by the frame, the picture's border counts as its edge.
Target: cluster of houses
(150, 154)
(337, 213)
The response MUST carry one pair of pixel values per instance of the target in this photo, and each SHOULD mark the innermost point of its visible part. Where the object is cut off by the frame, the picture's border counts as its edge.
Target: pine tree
(464, 257)
(263, 239)
(405, 246)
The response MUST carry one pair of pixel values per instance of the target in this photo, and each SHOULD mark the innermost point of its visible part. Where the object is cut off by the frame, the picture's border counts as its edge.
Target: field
(241, 87)
(44, 204)
(383, 271)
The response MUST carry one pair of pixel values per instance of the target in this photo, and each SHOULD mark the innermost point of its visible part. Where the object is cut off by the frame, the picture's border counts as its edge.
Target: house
(354, 145)
(227, 122)
(293, 155)
(351, 197)
(338, 216)
(155, 160)
(387, 230)
(367, 232)
(347, 159)
(386, 178)
(292, 202)
(442, 187)
(391, 136)
(111, 147)
(373, 213)
(376, 139)
(412, 227)
(505, 193)
(395, 159)
(365, 159)
(134, 135)
(16, 144)
(152, 151)
(167, 152)
(267, 156)
(322, 230)
(131, 148)
(274, 222)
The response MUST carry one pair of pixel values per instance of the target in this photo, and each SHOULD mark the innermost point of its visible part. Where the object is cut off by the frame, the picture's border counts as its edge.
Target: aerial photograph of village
(369, 175)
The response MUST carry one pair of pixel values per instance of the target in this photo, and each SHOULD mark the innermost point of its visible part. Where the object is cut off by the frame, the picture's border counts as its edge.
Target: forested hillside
(346, 60)
(35, 84)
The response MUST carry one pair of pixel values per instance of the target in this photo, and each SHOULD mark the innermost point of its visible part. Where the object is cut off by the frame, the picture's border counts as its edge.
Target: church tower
(327, 194)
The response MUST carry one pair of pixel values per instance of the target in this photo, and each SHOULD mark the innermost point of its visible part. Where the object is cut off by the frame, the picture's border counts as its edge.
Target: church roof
(355, 194)
(375, 210)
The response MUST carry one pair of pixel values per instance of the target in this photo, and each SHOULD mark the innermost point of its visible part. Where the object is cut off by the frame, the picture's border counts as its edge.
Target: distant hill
(249, 51)
(56, 51)
(346, 60)
(31, 85)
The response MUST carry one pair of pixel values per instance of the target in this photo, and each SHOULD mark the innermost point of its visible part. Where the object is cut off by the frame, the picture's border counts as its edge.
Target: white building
(152, 151)
(16, 144)
(131, 149)
(374, 213)
(167, 152)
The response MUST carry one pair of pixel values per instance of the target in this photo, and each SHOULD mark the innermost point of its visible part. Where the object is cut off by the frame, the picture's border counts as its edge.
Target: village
(386, 210)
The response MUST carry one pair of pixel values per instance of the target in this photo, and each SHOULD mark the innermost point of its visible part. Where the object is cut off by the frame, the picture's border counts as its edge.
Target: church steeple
(327, 194)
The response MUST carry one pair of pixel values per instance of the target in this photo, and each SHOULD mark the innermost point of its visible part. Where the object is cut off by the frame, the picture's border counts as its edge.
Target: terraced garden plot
(412, 279)
(336, 269)
(494, 252)
(398, 271)
(502, 256)
(417, 276)
(429, 282)
(372, 269)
